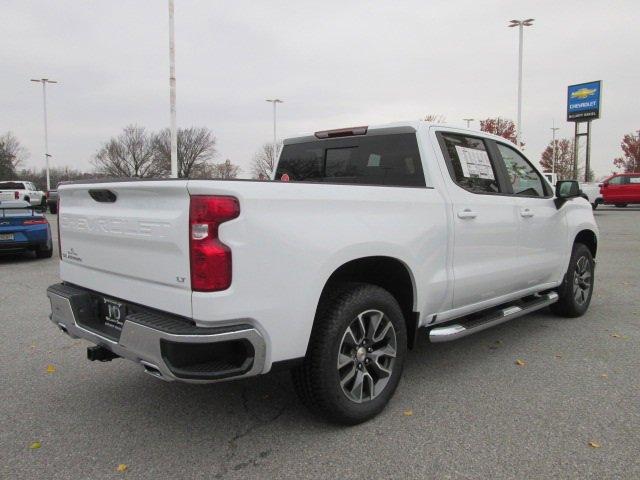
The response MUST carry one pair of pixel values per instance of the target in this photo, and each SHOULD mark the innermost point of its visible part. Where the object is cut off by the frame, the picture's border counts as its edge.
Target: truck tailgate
(129, 240)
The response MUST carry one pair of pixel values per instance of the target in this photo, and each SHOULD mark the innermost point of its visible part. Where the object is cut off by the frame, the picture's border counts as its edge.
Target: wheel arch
(386, 272)
(588, 238)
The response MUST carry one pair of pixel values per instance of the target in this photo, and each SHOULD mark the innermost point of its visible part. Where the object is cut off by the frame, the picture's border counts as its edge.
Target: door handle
(467, 213)
(526, 213)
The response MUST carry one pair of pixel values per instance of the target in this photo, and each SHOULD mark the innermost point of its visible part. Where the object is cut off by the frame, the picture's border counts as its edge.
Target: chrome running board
(492, 317)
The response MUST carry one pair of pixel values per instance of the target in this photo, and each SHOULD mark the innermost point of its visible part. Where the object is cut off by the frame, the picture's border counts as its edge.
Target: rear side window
(391, 160)
(621, 180)
(634, 179)
(469, 163)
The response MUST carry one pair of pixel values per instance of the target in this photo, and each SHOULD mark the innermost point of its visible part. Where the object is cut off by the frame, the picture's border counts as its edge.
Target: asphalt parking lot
(463, 410)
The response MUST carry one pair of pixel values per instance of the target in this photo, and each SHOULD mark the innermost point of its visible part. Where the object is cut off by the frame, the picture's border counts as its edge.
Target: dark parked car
(52, 201)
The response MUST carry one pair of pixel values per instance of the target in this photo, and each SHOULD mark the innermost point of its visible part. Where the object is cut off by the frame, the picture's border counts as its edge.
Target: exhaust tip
(151, 369)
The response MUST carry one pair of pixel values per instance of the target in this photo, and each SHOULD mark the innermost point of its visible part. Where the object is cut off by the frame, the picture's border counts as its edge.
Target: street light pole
(274, 101)
(520, 24)
(172, 94)
(468, 120)
(554, 158)
(44, 82)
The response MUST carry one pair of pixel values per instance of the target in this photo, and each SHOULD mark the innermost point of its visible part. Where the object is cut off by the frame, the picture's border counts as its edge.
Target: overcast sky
(335, 63)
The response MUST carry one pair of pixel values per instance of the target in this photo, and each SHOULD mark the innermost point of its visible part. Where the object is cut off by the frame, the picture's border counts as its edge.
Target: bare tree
(225, 170)
(57, 174)
(12, 154)
(196, 148)
(264, 163)
(130, 154)
(435, 118)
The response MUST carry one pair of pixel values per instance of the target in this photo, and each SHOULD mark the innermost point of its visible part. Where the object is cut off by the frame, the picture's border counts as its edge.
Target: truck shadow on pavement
(245, 421)
(18, 258)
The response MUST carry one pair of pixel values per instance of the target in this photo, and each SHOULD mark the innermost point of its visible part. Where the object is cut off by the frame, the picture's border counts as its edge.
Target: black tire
(574, 299)
(621, 205)
(53, 208)
(46, 251)
(594, 205)
(318, 380)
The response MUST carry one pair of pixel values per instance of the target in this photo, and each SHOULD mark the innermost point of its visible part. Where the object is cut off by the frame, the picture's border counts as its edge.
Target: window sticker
(374, 160)
(475, 163)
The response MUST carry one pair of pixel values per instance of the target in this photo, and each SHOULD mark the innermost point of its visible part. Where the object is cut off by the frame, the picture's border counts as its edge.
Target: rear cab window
(384, 159)
(12, 186)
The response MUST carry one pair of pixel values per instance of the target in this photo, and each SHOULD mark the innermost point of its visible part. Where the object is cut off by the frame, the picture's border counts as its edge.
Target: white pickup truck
(368, 237)
(21, 190)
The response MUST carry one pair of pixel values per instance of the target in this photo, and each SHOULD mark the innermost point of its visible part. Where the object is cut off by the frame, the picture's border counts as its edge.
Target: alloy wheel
(582, 280)
(366, 356)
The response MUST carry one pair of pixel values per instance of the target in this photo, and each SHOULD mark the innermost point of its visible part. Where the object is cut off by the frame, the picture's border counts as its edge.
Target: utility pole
(172, 93)
(520, 24)
(554, 158)
(44, 82)
(468, 120)
(274, 101)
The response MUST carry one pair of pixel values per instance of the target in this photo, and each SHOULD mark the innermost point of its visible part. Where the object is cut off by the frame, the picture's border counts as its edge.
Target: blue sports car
(23, 227)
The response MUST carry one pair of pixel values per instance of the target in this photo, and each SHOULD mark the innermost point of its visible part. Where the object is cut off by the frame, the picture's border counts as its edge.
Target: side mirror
(566, 189)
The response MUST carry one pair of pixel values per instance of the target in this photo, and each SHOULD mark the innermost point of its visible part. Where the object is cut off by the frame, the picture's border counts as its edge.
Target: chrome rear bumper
(163, 344)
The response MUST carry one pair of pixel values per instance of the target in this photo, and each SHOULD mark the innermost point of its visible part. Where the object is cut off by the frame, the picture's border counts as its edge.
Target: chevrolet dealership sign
(583, 101)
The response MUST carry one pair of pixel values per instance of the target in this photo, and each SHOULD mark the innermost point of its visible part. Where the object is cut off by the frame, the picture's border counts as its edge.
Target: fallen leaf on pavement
(35, 445)
(407, 413)
(594, 444)
(604, 375)
(122, 468)
(558, 356)
(51, 369)
(520, 363)
(615, 335)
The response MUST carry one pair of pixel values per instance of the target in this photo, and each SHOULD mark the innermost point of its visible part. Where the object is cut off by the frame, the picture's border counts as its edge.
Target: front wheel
(621, 205)
(355, 356)
(577, 288)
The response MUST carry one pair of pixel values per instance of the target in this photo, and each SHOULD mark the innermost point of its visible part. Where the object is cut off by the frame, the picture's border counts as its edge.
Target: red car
(621, 189)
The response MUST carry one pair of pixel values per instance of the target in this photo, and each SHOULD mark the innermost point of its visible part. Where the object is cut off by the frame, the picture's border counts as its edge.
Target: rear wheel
(53, 208)
(356, 354)
(576, 289)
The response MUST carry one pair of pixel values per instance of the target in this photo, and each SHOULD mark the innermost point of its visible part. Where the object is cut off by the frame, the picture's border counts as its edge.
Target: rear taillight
(35, 221)
(210, 258)
(16, 195)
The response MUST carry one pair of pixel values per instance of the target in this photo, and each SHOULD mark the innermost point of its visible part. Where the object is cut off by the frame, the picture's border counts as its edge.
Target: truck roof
(384, 128)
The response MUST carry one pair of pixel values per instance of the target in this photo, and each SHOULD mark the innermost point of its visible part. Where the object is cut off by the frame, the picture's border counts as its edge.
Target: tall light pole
(468, 120)
(520, 24)
(554, 129)
(274, 101)
(44, 82)
(172, 94)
